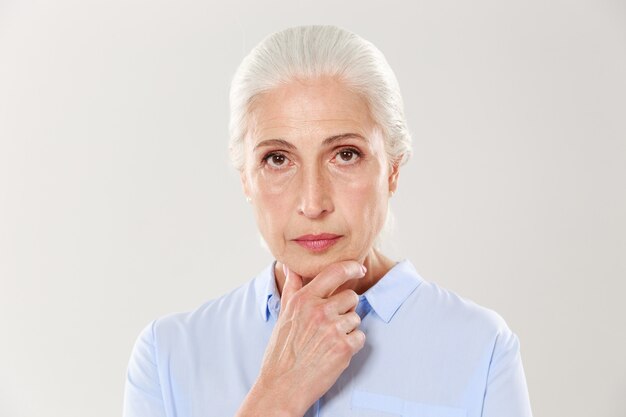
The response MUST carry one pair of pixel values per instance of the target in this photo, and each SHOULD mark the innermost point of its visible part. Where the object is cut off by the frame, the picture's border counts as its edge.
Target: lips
(317, 243)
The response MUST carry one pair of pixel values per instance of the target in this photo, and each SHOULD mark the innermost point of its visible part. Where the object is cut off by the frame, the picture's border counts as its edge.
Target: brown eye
(347, 156)
(276, 160)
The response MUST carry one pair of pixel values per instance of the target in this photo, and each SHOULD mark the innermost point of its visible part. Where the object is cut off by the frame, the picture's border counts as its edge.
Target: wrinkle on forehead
(309, 109)
(307, 128)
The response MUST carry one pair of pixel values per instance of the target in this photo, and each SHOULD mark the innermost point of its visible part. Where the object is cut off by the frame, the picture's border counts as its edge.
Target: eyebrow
(328, 141)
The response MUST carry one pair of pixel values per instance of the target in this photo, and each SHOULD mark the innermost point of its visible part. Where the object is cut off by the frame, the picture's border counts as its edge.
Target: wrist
(269, 400)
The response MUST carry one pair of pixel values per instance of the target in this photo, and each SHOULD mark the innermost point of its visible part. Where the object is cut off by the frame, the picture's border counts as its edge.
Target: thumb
(293, 283)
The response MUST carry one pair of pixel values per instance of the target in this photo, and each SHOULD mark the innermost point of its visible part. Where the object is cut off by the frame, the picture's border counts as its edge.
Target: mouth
(317, 243)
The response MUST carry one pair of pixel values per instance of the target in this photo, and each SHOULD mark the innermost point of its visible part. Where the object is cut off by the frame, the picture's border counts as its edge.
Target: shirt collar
(266, 292)
(385, 297)
(390, 292)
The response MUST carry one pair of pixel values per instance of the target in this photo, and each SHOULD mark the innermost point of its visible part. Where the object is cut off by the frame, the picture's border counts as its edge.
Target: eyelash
(356, 152)
(270, 155)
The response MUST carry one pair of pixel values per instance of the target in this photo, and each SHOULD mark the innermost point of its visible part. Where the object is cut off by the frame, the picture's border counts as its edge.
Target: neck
(377, 266)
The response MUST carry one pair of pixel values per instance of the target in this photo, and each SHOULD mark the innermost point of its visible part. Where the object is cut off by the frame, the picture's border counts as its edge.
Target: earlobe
(244, 184)
(393, 177)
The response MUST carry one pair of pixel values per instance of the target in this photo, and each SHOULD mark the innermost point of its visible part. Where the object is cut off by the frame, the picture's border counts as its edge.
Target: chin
(309, 266)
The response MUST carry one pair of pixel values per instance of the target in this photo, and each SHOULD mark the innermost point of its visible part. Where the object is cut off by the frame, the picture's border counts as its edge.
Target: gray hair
(307, 52)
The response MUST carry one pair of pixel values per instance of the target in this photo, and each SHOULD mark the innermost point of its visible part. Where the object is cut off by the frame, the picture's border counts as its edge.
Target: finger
(348, 322)
(335, 275)
(342, 302)
(293, 283)
(356, 339)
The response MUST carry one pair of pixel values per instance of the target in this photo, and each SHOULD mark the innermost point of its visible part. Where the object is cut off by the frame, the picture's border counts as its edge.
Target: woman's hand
(312, 343)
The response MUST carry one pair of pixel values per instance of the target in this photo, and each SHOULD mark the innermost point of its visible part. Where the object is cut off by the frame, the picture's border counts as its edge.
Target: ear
(244, 183)
(394, 172)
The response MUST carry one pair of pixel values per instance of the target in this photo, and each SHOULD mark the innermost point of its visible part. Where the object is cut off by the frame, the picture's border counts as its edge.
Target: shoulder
(210, 317)
(449, 311)
(450, 303)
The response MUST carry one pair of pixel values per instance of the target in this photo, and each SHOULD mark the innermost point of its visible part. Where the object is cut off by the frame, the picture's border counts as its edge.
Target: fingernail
(285, 271)
(364, 269)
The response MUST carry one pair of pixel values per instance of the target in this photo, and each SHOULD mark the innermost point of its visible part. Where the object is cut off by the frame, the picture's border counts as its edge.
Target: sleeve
(142, 392)
(506, 393)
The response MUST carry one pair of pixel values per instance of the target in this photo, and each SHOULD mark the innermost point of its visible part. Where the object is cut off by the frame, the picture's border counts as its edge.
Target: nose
(315, 195)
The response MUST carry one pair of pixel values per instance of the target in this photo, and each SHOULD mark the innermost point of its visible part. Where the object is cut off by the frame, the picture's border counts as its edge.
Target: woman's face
(317, 174)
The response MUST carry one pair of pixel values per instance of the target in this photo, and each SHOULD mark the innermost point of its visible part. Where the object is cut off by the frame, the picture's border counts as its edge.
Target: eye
(347, 156)
(276, 160)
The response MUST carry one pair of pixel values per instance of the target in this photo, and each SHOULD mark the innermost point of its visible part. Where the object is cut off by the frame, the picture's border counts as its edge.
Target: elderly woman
(332, 327)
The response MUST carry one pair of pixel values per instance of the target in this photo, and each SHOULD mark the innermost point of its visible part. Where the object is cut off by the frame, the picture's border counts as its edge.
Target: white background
(117, 203)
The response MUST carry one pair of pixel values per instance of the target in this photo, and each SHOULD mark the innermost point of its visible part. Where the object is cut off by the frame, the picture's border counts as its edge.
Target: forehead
(322, 106)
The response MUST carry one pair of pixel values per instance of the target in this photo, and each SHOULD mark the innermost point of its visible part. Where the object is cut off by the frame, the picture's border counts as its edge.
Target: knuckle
(354, 296)
(318, 315)
(357, 340)
(340, 327)
(360, 338)
(296, 302)
(328, 309)
(342, 348)
(351, 322)
(333, 331)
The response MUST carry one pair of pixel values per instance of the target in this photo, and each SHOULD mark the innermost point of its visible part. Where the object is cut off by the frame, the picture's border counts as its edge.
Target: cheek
(271, 200)
(365, 203)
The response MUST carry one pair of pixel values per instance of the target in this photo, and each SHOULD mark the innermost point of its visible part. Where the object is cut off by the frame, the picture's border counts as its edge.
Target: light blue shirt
(428, 353)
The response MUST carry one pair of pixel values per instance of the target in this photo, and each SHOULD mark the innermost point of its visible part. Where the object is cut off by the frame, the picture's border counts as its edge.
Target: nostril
(312, 213)
(314, 208)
